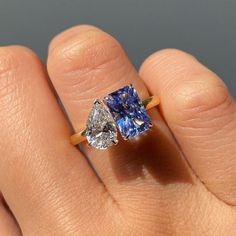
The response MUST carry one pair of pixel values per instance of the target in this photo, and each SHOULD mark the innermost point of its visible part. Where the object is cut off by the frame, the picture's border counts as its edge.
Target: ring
(121, 109)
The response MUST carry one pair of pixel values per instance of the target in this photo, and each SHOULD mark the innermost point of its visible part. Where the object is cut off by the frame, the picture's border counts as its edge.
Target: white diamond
(100, 130)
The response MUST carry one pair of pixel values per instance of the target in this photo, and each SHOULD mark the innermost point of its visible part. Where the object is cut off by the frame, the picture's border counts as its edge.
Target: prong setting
(101, 131)
(128, 111)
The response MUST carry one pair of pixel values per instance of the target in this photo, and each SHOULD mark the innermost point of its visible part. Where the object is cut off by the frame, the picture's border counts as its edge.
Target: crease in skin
(88, 90)
(200, 179)
(14, 225)
(78, 49)
(197, 176)
(7, 62)
(87, 48)
(198, 110)
(64, 38)
(203, 130)
(203, 182)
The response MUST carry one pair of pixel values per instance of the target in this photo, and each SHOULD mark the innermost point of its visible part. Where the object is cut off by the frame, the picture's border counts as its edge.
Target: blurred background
(205, 28)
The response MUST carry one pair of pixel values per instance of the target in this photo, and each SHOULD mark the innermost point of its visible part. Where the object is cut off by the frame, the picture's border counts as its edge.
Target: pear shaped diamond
(100, 130)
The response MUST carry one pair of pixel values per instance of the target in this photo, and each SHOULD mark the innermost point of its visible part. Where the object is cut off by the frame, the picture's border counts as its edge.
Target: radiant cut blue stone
(127, 110)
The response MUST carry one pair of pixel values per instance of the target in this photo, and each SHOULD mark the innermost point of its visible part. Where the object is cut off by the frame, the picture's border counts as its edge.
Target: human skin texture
(177, 179)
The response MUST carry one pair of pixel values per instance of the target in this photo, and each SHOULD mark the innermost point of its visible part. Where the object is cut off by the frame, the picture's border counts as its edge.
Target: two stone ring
(125, 110)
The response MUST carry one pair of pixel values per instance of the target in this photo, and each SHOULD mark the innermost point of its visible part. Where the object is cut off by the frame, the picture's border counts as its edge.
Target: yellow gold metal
(151, 102)
(78, 138)
(147, 103)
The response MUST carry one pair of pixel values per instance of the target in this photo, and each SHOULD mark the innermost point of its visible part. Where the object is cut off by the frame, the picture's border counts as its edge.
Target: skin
(178, 179)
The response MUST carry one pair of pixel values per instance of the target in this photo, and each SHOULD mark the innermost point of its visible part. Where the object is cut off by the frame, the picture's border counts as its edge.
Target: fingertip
(67, 34)
(13, 57)
(90, 49)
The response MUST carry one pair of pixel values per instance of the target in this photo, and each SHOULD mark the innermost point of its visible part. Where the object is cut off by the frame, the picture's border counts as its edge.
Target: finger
(77, 81)
(90, 64)
(8, 225)
(47, 183)
(202, 115)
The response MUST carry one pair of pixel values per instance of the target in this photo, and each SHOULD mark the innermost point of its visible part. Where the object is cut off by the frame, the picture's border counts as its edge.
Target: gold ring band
(148, 103)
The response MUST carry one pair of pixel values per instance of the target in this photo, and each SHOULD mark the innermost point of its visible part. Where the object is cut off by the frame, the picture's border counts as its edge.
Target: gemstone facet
(127, 110)
(100, 129)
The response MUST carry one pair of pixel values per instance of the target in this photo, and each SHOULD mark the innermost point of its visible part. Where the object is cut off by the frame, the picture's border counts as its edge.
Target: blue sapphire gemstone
(127, 110)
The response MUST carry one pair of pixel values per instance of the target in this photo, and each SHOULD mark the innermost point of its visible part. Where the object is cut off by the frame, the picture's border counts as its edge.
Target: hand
(179, 179)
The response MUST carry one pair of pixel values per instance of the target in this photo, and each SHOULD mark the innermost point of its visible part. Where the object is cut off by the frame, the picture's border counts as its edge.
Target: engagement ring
(121, 110)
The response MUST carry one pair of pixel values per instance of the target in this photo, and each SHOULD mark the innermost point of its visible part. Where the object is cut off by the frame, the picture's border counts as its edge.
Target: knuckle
(168, 56)
(9, 64)
(11, 57)
(13, 61)
(88, 51)
(205, 94)
(16, 65)
(8, 61)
